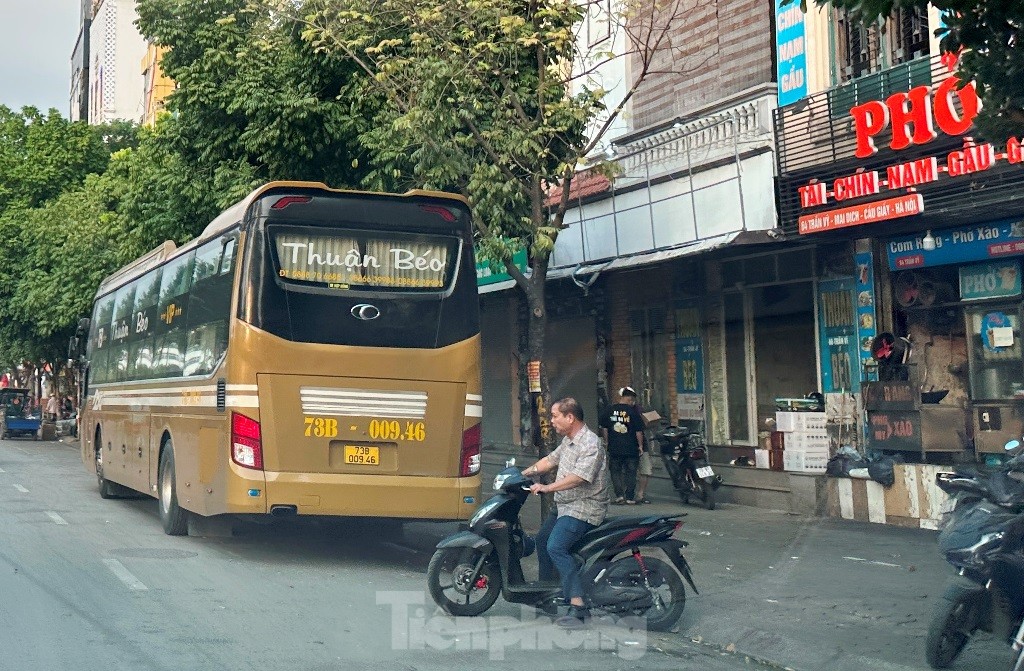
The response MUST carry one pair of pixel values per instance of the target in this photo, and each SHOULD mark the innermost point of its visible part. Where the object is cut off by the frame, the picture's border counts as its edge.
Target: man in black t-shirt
(622, 427)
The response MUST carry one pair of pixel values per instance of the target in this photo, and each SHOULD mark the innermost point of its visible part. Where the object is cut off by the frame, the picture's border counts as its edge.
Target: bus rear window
(366, 260)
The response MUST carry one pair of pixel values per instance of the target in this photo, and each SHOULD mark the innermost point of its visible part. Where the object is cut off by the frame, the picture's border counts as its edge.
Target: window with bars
(858, 47)
(862, 49)
(910, 39)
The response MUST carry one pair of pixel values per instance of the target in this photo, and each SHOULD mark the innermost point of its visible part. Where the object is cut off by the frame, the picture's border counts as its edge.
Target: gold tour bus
(313, 352)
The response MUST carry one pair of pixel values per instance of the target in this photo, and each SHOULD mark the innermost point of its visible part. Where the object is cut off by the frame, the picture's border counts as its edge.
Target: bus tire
(172, 516)
(108, 489)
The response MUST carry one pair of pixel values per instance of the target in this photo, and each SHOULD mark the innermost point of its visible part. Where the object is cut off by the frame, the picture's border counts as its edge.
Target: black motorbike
(686, 461)
(984, 540)
(472, 567)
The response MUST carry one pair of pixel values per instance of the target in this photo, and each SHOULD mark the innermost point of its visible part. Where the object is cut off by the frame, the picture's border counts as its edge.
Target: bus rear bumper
(353, 495)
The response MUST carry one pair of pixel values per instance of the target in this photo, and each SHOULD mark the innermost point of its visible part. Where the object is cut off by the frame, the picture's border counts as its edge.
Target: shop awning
(658, 256)
(496, 286)
(649, 258)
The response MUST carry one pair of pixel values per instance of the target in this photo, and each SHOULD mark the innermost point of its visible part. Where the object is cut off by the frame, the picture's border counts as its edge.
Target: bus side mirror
(72, 350)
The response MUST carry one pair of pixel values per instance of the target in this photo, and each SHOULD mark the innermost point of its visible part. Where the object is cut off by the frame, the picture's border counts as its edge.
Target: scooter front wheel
(455, 585)
(951, 628)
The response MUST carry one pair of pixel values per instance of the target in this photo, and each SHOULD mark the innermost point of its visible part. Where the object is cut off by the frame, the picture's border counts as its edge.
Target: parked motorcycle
(984, 541)
(686, 462)
(471, 568)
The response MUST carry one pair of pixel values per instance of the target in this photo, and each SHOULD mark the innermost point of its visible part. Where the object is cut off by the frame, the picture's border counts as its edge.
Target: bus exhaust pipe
(284, 511)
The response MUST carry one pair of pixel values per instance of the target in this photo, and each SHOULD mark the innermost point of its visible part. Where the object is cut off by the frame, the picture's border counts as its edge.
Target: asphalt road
(811, 594)
(91, 584)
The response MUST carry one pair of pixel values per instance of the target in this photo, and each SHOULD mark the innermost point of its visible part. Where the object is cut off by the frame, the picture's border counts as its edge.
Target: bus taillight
(285, 201)
(246, 443)
(470, 456)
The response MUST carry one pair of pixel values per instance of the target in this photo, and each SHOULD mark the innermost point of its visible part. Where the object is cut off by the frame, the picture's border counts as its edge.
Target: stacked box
(805, 461)
(798, 422)
(805, 441)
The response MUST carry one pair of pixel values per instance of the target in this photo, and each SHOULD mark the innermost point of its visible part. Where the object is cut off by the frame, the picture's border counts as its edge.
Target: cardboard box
(761, 458)
(805, 440)
(805, 461)
(651, 418)
(799, 421)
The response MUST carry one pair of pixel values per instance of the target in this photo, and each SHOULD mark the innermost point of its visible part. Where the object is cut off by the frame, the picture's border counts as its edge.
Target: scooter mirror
(1011, 445)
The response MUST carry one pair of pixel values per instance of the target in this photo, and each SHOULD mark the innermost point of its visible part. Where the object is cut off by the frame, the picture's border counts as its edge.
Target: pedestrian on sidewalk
(644, 471)
(581, 500)
(623, 430)
(52, 407)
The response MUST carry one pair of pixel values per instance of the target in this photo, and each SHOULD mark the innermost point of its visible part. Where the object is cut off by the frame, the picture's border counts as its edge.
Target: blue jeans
(554, 539)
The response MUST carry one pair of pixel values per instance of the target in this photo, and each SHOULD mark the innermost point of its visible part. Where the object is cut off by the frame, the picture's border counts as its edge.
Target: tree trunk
(545, 439)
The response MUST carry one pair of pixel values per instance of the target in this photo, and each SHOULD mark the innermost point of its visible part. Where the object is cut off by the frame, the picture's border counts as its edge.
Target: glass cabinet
(994, 352)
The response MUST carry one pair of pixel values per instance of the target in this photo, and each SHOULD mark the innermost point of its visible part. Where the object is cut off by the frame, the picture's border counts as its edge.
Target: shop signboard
(791, 51)
(865, 213)
(867, 327)
(888, 155)
(959, 245)
(838, 322)
(894, 430)
(990, 280)
(485, 274)
(689, 363)
(894, 396)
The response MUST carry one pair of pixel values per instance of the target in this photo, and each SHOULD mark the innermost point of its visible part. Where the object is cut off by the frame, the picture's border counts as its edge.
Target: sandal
(643, 499)
(618, 501)
(630, 502)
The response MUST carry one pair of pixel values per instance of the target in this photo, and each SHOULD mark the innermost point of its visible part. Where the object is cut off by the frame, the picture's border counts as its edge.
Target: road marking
(20, 489)
(57, 519)
(876, 563)
(124, 575)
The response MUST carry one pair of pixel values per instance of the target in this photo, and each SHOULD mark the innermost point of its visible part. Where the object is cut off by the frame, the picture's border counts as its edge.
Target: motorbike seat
(1006, 491)
(611, 524)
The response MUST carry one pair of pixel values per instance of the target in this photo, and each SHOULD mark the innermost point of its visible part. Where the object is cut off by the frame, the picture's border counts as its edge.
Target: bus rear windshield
(344, 285)
(342, 260)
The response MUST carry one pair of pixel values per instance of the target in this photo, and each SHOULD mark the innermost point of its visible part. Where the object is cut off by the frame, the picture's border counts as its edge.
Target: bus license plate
(705, 472)
(362, 455)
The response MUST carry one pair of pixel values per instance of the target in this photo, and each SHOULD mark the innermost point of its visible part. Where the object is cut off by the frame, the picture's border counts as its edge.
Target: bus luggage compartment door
(361, 426)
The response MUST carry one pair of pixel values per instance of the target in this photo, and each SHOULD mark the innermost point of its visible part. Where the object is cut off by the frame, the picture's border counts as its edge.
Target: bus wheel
(108, 490)
(174, 519)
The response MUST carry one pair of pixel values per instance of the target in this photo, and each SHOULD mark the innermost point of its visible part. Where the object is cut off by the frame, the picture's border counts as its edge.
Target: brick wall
(718, 48)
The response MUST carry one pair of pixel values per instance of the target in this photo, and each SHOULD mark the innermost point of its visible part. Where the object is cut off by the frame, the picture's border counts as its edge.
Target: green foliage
(254, 102)
(58, 235)
(473, 97)
(41, 155)
(990, 31)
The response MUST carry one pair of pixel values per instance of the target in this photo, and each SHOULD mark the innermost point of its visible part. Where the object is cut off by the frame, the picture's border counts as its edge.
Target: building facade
(693, 156)
(888, 163)
(116, 85)
(78, 104)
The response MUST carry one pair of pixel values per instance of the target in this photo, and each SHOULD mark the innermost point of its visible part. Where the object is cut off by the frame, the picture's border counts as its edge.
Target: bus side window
(99, 339)
(208, 310)
(172, 306)
(121, 333)
(144, 319)
(227, 259)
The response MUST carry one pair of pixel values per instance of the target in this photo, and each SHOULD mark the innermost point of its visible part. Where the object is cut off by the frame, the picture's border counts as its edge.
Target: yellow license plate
(362, 455)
